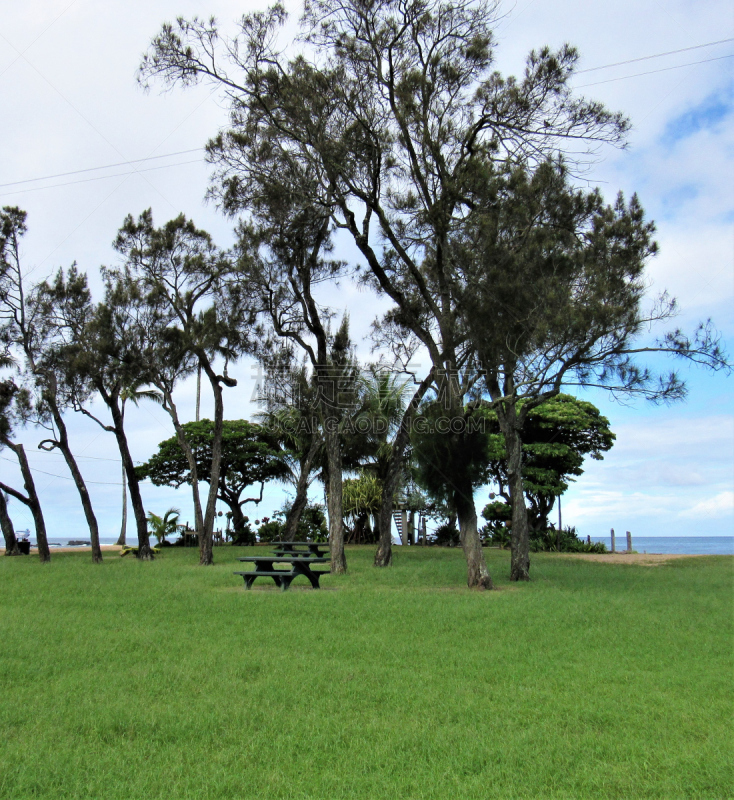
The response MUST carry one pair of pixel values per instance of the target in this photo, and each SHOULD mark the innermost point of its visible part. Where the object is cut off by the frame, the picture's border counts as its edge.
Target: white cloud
(720, 505)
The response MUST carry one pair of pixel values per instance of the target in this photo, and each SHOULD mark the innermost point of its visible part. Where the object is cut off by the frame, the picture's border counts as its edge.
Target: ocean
(682, 545)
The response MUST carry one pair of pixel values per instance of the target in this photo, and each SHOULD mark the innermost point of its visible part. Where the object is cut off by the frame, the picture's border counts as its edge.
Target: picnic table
(301, 548)
(299, 565)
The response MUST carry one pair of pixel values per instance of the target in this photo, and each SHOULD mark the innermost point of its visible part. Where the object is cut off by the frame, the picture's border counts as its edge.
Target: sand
(642, 559)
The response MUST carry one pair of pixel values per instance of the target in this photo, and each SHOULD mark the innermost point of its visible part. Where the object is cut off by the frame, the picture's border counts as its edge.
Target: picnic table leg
(304, 569)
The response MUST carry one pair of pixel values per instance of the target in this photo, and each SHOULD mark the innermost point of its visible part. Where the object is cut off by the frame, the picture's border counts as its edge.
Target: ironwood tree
(27, 328)
(103, 353)
(14, 405)
(198, 318)
(552, 291)
(390, 107)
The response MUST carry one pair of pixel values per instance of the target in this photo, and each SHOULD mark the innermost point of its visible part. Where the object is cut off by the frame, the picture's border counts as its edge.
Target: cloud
(719, 505)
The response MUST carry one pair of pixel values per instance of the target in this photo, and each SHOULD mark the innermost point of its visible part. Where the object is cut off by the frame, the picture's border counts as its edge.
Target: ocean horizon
(673, 545)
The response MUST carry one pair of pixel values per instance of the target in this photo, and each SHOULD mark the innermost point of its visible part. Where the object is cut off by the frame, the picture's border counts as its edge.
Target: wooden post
(423, 530)
(629, 542)
(613, 547)
(411, 528)
(404, 526)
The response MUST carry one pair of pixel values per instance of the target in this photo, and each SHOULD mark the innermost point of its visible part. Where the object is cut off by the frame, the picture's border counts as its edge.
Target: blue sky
(70, 102)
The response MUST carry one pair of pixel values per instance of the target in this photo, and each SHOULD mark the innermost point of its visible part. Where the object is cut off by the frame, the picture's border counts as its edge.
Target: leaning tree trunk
(478, 576)
(11, 542)
(33, 502)
(63, 445)
(334, 497)
(188, 452)
(145, 553)
(300, 502)
(122, 538)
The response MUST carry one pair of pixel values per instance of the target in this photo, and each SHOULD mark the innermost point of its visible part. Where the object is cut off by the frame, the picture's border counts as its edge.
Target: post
(411, 528)
(423, 528)
(629, 542)
(613, 548)
(404, 526)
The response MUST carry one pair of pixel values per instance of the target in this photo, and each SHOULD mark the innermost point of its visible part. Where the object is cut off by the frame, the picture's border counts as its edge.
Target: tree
(290, 414)
(200, 316)
(390, 109)
(551, 285)
(250, 455)
(14, 403)
(163, 526)
(6, 524)
(26, 326)
(362, 499)
(103, 351)
(558, 434)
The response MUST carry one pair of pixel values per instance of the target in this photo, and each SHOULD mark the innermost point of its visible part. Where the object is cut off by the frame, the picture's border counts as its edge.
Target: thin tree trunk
(183, 443)
(145, 552)
(32, 501)
(478, 576)
(334, 497)
(301, 500)
(206, 555)
(122, 538)
(11, 542)
(63, 445)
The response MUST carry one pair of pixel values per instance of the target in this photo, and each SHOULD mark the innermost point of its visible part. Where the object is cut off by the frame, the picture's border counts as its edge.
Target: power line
(95, 169)
(653, 71)
(103, 177)
(657, 55)
(64, 477)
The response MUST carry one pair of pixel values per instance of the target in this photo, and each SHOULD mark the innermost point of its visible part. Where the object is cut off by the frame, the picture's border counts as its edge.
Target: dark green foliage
(447, 535)
(557, 436)
(251, 455)
(440, 455)
(271, 530)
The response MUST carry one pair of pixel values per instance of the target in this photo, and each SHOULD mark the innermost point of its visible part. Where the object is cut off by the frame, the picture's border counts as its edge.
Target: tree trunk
(520, 539)
(478, 576)
(183, 443)
(141, 523)
(334, 497)
(122, 538)
(206, 554)
(32, 501)
(301, 500)
(63, 445)
(11, 542)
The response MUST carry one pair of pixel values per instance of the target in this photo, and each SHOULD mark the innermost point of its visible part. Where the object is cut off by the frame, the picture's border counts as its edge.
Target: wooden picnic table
(299, 565)
(297, 548)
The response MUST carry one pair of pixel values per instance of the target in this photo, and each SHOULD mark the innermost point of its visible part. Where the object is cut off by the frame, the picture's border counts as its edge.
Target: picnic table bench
(301, 548)
(299, 565)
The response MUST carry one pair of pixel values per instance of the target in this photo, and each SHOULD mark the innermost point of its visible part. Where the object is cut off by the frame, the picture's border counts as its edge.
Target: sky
(70, 102)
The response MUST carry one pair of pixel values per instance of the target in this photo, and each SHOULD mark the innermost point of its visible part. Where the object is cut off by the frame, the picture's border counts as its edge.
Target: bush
(271, 530)
(447, 535)
(567, 542)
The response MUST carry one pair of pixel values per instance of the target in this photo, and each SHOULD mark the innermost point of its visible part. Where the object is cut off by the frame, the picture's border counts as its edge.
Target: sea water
(679, 545)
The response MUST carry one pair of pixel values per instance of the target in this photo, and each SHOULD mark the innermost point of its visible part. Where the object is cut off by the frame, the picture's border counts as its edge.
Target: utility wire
(95, 169)
(103, 177)
(657, 55)
(653, 71)
(64, 477)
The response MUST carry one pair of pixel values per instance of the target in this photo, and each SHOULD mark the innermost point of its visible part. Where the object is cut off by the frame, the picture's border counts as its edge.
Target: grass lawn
(168, 680)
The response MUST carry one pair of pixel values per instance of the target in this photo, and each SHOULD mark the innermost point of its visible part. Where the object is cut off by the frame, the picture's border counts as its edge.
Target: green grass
(168, 680)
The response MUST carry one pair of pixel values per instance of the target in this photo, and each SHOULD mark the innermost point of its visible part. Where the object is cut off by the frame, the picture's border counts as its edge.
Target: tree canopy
(251, 456)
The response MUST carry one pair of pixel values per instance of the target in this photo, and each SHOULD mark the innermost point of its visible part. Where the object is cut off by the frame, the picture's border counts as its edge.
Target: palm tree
(161, 527)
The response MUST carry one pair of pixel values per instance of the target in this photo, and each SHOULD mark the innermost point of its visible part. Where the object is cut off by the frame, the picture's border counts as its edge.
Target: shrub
(447, 535)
